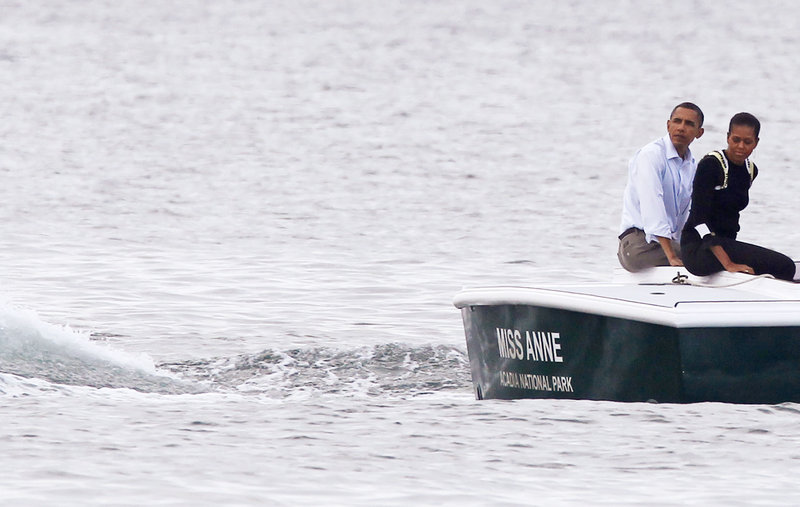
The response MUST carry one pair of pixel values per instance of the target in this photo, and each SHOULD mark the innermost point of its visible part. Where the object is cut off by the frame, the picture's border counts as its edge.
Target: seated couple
(660, 228)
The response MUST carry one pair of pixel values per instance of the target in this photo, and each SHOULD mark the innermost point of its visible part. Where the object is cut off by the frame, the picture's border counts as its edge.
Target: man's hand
(672, 257)
(675, 261)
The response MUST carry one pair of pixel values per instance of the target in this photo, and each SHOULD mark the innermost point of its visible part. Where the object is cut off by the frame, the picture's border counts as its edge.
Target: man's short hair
(693, 107)
(746, 119)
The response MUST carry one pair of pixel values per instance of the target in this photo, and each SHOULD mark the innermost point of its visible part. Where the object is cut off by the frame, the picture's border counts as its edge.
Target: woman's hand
(728, 264)
(740, 268)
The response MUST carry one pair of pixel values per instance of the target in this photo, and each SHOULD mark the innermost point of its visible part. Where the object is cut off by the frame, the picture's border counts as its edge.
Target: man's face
(683, 128)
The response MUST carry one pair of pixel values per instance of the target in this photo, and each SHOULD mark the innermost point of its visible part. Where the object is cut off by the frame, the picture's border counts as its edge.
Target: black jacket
(717, 208)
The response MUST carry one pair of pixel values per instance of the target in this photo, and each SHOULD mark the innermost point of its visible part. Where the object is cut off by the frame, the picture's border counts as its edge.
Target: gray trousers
(636, 254)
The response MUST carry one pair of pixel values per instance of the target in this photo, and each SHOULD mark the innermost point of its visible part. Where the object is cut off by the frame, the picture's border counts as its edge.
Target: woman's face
(742, 141)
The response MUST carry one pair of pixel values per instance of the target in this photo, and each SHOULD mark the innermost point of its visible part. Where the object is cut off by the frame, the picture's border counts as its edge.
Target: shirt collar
(672, 152)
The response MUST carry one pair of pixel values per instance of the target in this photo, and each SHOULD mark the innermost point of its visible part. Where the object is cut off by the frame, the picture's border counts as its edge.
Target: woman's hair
(746, 119)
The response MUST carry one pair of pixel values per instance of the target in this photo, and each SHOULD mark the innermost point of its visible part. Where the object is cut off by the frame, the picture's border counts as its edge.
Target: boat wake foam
(387, 369)
(33, 349)
(36, 356)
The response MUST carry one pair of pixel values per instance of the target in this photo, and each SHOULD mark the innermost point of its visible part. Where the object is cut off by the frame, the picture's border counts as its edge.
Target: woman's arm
(727, 263)
(708, 176)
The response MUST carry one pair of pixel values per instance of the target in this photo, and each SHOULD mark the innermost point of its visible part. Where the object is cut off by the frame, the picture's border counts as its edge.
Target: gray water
(230, 234)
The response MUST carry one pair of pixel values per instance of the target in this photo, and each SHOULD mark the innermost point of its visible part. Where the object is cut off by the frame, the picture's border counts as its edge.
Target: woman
(719, 193)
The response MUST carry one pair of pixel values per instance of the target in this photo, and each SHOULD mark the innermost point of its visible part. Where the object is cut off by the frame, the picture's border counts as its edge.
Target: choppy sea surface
(231, 231)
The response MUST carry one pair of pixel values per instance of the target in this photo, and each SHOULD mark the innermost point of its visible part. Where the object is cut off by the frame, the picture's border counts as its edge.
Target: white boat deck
(721, 300)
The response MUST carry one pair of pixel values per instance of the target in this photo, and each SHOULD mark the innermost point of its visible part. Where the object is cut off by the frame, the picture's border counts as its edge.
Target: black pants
(701, 261)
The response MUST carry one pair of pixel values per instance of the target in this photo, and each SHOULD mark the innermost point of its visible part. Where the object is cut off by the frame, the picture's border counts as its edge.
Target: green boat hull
(523, 351)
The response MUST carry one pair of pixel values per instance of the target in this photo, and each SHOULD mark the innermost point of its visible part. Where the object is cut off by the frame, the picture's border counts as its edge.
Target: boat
(660, 335)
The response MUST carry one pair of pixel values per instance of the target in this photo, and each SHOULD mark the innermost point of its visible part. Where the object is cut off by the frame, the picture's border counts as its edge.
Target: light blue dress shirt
(659, 191)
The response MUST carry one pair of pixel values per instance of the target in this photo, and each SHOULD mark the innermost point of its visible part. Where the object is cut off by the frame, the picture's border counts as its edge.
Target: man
(656, 202)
